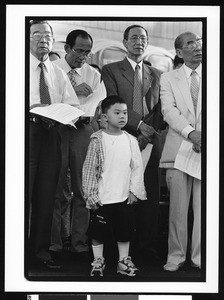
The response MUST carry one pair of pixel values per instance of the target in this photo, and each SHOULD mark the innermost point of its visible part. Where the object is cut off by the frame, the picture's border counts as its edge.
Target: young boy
(112, 182)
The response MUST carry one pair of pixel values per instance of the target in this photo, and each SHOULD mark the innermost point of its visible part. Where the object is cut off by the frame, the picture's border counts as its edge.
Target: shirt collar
(34, 62)
(133, 63)
(68, 68)
(189, 70)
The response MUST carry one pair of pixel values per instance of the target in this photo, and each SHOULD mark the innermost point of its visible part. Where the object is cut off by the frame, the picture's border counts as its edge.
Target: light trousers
(181, 185)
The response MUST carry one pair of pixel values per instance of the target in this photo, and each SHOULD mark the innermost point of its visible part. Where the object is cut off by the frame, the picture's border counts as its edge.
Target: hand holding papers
(90, 103)
(61, 112)
(188, 161)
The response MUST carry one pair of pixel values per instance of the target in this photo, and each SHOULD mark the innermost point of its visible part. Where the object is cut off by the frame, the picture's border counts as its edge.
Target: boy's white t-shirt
(115, 181)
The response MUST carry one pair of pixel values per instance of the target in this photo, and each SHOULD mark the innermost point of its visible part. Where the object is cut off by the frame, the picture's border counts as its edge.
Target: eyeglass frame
(144, 39)
(82, 52)
(193, 44)
(50, 36)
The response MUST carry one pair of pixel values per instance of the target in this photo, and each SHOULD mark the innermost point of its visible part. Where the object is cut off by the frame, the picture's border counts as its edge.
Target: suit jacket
(118, 78)
(178, 111)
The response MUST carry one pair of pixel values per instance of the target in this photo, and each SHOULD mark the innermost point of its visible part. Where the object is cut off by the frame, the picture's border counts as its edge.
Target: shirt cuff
(186, 131)
(139, 124)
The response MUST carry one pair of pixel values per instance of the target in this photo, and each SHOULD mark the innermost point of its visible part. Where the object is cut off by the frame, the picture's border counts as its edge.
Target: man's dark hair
(72, 36)
(126, 32)
(109, 101)
(33, 22)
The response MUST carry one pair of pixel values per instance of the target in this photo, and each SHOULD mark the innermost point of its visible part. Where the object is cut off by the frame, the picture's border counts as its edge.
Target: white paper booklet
(61, 112)
(188, 161)
(146, 153)
(89, 104)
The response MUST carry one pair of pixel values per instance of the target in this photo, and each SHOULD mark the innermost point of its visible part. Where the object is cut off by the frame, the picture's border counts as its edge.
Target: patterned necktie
(137, 92)
(71, 76)
(44, 92)
(194, 89)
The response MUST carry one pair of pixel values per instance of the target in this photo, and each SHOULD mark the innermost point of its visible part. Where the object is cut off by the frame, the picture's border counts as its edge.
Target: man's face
(41, 40)
(191, 51)
(77, 56)
(136, 43)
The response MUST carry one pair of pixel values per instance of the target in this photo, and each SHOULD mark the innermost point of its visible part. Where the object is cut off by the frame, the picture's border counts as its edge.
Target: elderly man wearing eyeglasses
(181, 107)
(138, 83)
(85, 80)
(48, 85)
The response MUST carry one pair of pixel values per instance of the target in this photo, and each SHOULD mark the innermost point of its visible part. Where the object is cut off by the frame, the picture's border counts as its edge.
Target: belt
(45, 122)
(82, 120)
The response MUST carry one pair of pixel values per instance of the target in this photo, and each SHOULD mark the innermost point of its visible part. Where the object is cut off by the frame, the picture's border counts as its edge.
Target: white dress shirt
(59, 85)
(85, 74)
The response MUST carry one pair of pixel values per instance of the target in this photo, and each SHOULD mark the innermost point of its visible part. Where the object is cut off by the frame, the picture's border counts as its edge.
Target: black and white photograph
(116, 109)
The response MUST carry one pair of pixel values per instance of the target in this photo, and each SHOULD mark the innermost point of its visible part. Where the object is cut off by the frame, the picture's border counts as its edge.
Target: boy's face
(117, 116)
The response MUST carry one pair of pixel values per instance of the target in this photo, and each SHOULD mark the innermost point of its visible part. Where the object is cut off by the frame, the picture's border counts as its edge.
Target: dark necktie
(44, 92)
(137, 92)
(71, 76)
(194, 89)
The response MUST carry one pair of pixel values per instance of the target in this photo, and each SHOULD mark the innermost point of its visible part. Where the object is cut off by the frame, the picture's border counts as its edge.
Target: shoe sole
(128, 274)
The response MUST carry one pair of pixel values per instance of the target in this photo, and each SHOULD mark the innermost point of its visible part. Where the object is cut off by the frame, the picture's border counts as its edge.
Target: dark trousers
(75, 143)
(44, 166)
(147, 212)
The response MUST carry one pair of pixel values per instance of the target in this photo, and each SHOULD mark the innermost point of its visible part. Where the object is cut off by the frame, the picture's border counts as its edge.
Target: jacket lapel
(183, 86)
(127, 71)
(147, 79)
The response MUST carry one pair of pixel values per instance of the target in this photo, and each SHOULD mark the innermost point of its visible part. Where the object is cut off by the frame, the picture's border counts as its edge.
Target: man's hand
(196, 148)
(83, 90)
(195, 137)
(147, 131)
(132, 199)
(142, 141)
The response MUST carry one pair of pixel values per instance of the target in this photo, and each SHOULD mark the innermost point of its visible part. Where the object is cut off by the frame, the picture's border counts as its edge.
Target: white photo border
(15, 141)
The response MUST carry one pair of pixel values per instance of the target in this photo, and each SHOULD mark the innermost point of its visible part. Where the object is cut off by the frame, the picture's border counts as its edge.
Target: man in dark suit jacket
(119, 80)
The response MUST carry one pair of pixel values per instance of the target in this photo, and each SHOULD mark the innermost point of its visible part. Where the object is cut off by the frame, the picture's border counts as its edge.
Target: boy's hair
(109, 101)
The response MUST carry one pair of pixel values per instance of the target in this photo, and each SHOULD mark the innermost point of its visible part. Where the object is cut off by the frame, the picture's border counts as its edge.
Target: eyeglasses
(82, 52)
(193, 44)
(134, 39)
(38, 36)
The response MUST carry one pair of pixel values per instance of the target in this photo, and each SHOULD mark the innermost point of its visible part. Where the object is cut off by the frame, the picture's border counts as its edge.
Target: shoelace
(129, 262)
(98, 262)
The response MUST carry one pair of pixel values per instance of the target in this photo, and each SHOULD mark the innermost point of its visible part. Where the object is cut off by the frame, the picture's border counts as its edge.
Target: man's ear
(125, 43)
(67, 48)
(179, 53)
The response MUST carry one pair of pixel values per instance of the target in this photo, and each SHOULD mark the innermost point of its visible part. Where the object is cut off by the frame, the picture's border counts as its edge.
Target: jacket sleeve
(172, 114)
(90, 174)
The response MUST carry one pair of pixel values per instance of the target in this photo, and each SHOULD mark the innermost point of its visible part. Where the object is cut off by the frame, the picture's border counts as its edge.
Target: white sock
(123, 249)
(97, 250)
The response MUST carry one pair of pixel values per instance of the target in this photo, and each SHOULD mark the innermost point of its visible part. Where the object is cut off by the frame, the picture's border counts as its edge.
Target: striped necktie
(194, 89)
(44, 92)
(137, 92)
(71, 76)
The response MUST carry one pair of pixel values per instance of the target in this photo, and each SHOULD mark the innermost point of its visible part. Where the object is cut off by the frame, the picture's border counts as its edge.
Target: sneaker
(98, 266)
(126, 267)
